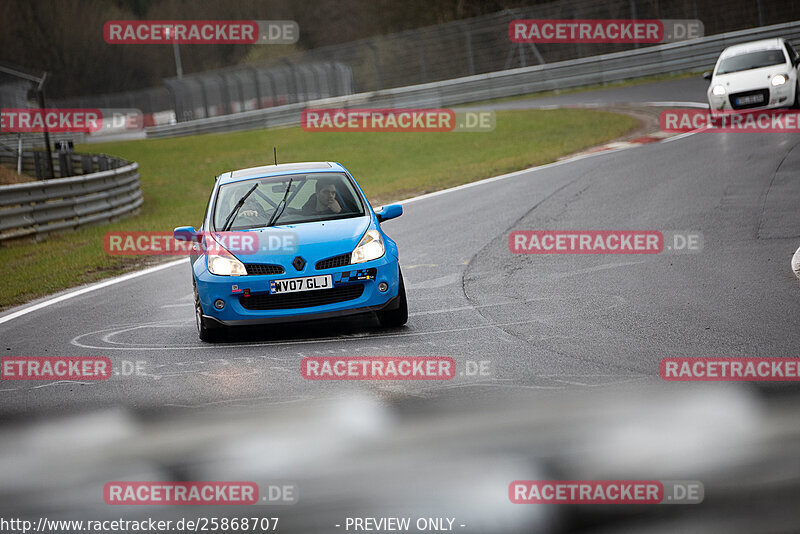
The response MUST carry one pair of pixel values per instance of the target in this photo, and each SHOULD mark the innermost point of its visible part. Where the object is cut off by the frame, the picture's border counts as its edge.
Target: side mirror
(389, 212)
(185, 233)
(707, 76)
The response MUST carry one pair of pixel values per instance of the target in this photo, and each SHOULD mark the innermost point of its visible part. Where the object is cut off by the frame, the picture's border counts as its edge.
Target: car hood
(748, 79)
(312, 241)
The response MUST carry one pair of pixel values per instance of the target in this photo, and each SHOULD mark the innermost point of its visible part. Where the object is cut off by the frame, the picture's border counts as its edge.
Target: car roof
(754, 46)
(266, 171)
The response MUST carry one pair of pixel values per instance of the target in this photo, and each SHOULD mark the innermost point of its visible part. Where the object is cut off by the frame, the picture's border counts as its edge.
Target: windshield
(311, 197)
(753, 60)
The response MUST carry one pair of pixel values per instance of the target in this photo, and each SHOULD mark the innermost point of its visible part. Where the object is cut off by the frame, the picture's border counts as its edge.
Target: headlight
(718, 90)
(369, 248)
(223, 263)
(779, 79)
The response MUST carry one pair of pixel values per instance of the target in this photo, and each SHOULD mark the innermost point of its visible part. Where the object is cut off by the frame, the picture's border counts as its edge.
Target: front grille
(331, 263)
(301, 299)
(763, 92)
(263, 268)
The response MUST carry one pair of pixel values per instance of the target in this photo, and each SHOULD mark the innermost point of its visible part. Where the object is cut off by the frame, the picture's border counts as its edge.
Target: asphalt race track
(545, 323)
(551, 321)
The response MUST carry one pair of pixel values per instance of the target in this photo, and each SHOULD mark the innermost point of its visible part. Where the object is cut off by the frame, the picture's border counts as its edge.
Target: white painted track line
(82, 291)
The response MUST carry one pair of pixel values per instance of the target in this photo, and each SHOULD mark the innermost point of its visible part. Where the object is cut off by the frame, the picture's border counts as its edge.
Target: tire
(398, 316)
(796, 103)
(207, 335)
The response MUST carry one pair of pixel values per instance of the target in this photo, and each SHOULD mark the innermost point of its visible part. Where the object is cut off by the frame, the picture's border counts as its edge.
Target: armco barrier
(42, 207)
(669, 58)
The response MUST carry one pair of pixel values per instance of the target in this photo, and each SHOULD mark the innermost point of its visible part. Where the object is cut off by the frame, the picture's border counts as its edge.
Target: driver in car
(252, 208)
(324, 200)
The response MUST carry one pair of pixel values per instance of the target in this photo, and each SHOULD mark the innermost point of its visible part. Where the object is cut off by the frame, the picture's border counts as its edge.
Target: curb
(655, 137)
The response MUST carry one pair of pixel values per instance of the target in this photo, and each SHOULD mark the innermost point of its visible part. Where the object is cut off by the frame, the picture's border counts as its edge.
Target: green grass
(177, 176)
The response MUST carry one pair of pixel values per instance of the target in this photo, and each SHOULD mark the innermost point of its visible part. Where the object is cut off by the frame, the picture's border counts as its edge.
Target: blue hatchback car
(319, 250)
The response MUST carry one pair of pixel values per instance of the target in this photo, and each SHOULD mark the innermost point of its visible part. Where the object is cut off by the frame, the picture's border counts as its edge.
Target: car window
(751, 60)
(791, 51)
(205, 211)
(312, 197)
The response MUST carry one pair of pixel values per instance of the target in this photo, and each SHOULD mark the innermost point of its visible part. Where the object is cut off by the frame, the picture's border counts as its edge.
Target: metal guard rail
(668, 58)
(39, 208)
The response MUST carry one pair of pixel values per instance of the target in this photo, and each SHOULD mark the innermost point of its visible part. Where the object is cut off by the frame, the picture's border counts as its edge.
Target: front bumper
(231, 290)
(779, 96)
(213, 322)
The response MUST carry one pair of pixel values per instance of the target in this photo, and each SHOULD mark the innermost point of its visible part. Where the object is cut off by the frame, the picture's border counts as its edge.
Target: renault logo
(299, 263)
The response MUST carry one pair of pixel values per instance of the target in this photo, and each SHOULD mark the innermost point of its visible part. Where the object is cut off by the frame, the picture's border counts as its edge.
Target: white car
(761, 74)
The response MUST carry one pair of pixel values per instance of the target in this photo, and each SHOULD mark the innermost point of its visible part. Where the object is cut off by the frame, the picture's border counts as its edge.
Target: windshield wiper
(236, 208)
(282, 206)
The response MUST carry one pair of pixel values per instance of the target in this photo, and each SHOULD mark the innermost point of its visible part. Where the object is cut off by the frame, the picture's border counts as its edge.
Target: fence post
(41, 98)
(470, 58)
(634, 17)
(376, 60)
(64, 164)
(86, 164)
(423, 64)
(203, 95)
(19, 153)
(273, 99)
(225, 94)
(293, 85)
(257, 85)
(333, 82)
(240, 85)
(175, 102)
(301, 84)
(37, 164)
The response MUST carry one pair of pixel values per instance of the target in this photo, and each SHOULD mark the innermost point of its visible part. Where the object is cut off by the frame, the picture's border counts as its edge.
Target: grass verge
(178, 173)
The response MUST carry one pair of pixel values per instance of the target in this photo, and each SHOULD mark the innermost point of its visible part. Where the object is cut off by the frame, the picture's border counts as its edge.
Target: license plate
(307, 283)
(752, 99)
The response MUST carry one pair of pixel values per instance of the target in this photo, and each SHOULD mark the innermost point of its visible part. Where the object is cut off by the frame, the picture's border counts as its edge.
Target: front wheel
(208, 335)
(398, 316)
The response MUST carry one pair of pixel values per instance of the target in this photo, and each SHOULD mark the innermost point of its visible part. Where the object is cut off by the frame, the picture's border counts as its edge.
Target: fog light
(383, 287)
(219, 304)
